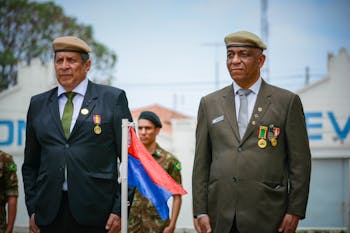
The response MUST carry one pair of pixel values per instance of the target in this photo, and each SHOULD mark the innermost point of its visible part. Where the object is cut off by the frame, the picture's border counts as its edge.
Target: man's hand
(289, 223)
(169, 229)
(196, 225)
(113, 224)
(33, 228)
(204, 224)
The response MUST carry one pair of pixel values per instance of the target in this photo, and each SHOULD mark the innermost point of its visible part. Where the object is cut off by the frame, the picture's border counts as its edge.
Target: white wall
(13, 109)
(330, 96)
(327, 109)
(184, 145)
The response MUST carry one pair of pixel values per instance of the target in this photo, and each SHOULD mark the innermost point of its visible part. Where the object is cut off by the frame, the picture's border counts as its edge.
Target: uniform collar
(157, 152)
(80, 89)
(254, 88)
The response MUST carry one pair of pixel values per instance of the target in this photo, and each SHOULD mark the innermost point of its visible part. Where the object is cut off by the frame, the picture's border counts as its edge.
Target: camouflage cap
(70, 44)
(244, 39)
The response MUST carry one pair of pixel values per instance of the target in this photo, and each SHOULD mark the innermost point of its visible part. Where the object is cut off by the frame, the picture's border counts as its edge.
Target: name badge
(218, 119)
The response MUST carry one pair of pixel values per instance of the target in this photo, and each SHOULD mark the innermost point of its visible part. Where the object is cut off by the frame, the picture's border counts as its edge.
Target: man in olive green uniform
(8, 192)
(144, 217)
(252, 164)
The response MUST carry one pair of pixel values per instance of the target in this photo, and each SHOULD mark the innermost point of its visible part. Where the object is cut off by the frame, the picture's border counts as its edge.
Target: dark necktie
(243, 110)
(68, 113)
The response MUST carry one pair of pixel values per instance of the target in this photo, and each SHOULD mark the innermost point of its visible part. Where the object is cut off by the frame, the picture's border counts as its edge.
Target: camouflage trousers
(144, 222)
(3, 224)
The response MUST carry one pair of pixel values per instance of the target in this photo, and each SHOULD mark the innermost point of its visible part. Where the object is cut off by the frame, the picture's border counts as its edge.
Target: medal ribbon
(262, 132)
(97, 119)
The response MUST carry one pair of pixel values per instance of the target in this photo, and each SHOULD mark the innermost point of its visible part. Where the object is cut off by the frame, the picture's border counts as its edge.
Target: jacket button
(67, 145)
(234, 179)
(240, 149)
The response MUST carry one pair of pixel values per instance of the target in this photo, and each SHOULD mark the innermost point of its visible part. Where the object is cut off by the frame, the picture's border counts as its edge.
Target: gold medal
(262, 143)
(97, 129)
(97, 120)
(262, 136)
(84, 111)
(273, 142)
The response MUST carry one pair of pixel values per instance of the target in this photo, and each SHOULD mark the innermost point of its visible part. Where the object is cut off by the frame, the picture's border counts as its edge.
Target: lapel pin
(84, 111)
(88, 102)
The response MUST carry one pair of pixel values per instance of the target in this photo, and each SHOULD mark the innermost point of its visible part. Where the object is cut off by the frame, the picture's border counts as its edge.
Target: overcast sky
(165, 47)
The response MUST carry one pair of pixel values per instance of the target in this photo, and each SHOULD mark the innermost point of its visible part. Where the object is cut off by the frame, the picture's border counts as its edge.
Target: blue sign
(317, 117)
(11, 127)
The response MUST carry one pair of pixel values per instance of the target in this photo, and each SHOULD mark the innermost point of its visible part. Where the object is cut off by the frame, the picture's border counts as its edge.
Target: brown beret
(70, 44)
(244, 39)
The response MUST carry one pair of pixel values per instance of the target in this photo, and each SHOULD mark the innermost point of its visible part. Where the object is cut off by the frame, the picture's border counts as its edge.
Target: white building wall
(328, 101)
(327, 110)
(184, 145)
(14, 103)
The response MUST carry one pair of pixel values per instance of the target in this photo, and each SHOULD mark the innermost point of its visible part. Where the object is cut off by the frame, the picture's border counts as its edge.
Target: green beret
(244, 39)
(151, 116)
(70, 44)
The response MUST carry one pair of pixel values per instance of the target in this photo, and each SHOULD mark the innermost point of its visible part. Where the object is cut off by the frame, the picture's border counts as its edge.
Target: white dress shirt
(80, 91)
(77, 100)
(251, 97)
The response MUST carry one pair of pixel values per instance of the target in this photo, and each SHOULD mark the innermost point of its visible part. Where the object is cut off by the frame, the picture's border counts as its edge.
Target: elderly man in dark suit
(252, 159)
(73, 142)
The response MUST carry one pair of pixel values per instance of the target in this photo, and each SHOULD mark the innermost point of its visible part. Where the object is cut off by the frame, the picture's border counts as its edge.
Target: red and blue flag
(152, 181)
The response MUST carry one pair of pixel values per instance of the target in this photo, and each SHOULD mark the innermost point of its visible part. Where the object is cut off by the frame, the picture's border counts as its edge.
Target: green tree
(27, 30)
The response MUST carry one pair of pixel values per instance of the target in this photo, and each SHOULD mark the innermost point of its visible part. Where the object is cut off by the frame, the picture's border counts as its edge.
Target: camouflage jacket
(8, 184)
(143, 217)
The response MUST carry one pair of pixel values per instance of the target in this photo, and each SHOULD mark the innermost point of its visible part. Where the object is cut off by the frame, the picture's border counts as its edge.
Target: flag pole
(124, 176)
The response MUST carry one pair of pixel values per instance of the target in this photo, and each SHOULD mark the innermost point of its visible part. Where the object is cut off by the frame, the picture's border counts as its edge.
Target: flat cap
(244, 39)
(70, 44)
(151, 116)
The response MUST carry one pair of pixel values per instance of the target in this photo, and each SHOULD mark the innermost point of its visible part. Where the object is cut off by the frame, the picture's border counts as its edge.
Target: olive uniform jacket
(254, 183)
(90, 158)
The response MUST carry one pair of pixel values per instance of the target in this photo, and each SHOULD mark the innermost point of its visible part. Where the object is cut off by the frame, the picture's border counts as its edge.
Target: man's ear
(157, 130)
(261, 60)
(87, 65)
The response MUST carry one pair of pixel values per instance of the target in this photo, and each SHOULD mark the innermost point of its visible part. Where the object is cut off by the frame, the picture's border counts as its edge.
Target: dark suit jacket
(234, 178)
(91, 159)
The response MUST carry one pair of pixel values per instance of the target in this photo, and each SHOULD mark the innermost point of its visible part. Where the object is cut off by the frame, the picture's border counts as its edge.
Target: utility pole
(264, 36)
(216, 45)
(307, 76)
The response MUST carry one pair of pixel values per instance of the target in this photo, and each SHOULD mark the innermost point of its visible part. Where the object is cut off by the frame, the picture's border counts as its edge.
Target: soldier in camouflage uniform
(143, 217)
(8, 192)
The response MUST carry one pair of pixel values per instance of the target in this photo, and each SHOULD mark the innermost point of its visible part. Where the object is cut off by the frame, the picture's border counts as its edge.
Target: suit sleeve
(202, 161)
(299, 158)
(31, 162)
(121, 112)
